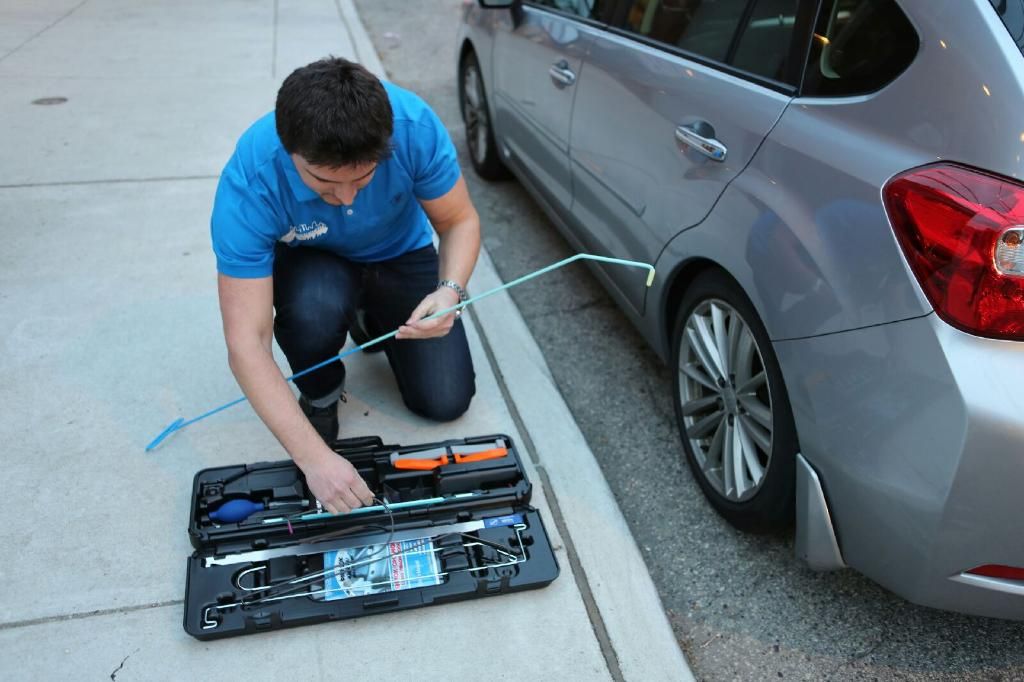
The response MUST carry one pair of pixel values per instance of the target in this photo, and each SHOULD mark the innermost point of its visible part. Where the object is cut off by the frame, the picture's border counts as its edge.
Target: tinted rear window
(859, 46)
(1012, 14)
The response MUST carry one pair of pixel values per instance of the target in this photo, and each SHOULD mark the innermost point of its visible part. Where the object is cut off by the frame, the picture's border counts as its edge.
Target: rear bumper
(917, 432)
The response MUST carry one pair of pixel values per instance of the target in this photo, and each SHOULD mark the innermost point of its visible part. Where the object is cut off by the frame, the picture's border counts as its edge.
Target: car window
(704, 27)
(1012, 14)
(858, 47)
(587, 9)
(764, 45)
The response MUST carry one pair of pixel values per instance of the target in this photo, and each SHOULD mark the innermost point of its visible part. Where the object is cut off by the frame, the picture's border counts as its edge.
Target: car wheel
(731, 406)
(483, 151)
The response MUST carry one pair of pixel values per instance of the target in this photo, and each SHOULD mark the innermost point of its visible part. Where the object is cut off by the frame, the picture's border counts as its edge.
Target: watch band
(463, 296)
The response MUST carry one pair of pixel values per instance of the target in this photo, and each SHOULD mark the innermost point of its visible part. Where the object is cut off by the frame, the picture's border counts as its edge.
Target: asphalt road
(742, 606)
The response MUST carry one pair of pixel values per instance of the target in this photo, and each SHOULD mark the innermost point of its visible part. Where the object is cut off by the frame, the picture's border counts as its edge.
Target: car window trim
(799, 50)
(769, 83)
(800, 55)
(804, 22)
(571, 16)
(806, 16)
(801, 92)
(741, 28)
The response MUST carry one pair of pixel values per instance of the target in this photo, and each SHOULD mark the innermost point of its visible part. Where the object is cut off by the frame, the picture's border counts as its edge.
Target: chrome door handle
(705, 144)
(561, 73)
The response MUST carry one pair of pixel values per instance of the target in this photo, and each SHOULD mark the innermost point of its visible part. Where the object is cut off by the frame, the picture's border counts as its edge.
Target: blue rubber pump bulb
(234, 511)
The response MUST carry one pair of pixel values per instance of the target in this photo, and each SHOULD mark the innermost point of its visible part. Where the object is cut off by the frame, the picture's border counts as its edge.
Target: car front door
(537, 59)
(673, 101)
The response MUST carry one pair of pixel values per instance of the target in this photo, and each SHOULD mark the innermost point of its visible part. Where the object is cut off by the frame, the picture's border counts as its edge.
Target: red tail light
(997, 571)
(963, 233)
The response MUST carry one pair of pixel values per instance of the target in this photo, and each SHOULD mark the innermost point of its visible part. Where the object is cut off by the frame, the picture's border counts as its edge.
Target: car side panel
(532, 110)
(636, 185)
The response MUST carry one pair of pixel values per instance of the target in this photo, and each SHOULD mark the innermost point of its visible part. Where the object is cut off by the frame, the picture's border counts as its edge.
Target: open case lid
(458, 530)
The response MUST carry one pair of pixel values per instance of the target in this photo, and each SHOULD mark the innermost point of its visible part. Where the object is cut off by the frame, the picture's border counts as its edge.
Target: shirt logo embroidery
(304, 232)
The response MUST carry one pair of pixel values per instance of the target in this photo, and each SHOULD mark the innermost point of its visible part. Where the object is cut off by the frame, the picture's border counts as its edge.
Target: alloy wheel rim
(474, 114)
(726, 400)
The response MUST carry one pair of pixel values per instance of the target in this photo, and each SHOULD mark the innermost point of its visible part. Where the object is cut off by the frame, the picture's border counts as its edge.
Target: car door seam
(728, 184)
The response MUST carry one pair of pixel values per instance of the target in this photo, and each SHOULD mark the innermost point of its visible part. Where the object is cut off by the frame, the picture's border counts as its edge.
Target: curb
(366, 54)
(626, 601)
(624, 607)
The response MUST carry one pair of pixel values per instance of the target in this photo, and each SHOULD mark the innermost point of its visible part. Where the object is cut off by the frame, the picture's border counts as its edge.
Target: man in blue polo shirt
(322, 226)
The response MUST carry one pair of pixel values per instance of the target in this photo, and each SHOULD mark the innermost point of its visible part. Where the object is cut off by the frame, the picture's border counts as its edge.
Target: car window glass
(1012, 14)
(587, 9)
(764, 45)
(704, 27)
(859, 46)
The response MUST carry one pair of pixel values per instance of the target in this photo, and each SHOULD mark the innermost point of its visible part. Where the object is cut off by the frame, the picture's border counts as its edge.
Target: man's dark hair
(334, 113)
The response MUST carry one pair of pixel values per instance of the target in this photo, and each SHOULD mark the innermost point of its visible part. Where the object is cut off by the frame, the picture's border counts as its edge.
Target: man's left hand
(418, 328)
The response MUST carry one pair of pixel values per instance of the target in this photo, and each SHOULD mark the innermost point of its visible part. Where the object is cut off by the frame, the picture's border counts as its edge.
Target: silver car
(828, 189)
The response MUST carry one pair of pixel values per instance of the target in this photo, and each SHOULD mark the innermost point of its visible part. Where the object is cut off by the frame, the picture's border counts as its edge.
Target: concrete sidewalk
(109, 318)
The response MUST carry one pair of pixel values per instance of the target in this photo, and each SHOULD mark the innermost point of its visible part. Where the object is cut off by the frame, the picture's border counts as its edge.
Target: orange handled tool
(428, 463)
(421, 464)
(495, 453)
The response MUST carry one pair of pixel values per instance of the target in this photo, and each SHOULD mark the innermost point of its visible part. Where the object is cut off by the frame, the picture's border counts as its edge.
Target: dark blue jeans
(316, 295)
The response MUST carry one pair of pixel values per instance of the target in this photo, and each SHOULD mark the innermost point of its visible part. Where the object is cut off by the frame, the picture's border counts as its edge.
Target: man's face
(336, 186)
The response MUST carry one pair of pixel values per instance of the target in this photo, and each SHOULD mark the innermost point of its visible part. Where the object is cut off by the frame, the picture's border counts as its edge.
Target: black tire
(768, 505)
(483, 150)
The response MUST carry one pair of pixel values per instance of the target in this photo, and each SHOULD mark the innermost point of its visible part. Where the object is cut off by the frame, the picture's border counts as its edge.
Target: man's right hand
(247, 308)
(336, 483)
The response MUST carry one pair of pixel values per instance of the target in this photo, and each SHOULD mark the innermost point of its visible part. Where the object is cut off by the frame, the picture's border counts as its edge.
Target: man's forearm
(265, 387)
(458, 248)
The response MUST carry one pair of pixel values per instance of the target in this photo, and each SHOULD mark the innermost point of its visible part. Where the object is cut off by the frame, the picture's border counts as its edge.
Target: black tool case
(457, 531)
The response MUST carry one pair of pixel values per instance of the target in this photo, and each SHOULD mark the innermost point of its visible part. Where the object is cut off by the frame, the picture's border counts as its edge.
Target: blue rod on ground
(181, 422)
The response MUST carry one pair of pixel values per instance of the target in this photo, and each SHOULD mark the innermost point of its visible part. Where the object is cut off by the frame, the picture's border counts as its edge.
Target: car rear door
(537, 58)
(672, 103)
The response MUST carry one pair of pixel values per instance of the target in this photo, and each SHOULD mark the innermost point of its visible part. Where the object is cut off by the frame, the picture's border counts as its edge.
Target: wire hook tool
(181, 422)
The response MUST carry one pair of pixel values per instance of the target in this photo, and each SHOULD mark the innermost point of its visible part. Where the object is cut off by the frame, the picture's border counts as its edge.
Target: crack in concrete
(273, 48)
(107, 181)
(45, 29)
(89, 614)
(113, 675)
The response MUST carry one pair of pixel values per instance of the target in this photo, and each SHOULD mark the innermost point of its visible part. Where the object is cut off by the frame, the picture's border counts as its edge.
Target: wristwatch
(463, 296)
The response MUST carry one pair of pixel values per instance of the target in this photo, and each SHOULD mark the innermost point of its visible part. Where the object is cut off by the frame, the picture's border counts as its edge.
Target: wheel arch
(679, 282)
(465, 49)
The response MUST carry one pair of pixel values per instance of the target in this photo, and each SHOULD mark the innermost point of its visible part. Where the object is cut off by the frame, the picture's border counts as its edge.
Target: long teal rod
(181, 422)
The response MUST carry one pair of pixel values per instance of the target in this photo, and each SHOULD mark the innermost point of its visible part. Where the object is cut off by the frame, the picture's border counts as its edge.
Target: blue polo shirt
(261, 200)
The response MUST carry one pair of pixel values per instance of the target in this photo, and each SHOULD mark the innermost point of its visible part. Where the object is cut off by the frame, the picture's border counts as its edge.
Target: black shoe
(362, 331)
(323, 419)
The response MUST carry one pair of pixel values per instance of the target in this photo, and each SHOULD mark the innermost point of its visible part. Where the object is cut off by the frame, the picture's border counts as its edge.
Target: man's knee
(313, 292)
(444, 405)
(320, 317)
